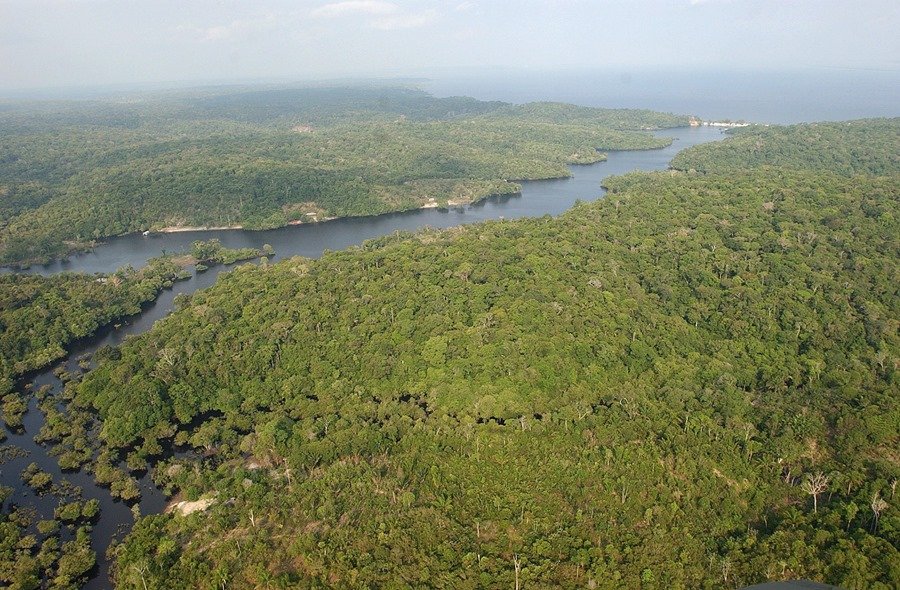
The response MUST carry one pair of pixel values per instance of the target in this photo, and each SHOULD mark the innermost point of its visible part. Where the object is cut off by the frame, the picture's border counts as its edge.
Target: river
(546, 197)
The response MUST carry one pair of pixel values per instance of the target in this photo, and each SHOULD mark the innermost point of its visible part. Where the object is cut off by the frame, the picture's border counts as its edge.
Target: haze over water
(777, 97)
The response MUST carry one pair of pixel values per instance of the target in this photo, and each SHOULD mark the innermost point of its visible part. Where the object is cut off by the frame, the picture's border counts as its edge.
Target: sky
(64, 43)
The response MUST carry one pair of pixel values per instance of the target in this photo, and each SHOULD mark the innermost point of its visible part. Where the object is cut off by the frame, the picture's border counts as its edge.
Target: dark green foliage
(870, 146)
(18, 567)
(630, 395)
(74, 173)
(76, 560)
(40, 316)
(213, 252)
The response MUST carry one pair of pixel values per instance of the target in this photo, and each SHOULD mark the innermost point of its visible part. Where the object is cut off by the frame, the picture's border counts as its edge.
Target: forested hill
(690, 384)
(868, 146)
(318, 105)
(71, 173)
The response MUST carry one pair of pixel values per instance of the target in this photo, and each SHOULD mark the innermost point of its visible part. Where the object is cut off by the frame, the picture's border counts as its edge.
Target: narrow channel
(538, 198)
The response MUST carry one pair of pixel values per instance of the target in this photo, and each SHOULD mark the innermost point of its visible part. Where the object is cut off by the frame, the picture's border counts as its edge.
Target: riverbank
(430, 204)
(174, 229)
(536, 198)
(550, 196)
(468, 192)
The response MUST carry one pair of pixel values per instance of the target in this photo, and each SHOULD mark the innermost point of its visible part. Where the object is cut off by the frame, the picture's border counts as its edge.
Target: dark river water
(548, 197)
(545, 197)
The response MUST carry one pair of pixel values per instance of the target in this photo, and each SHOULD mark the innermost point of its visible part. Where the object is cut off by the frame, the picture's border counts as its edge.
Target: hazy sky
(47, 43)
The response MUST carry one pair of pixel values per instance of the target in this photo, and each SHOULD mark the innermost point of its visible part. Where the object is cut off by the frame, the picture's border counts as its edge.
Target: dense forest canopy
(71, 173)
(868, 146)
(40, 316)
(692, 383)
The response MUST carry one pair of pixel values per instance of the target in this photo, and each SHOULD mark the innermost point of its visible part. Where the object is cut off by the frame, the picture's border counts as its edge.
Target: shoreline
(431, 204)
(14, 267)
(153, 500)
(175, 229)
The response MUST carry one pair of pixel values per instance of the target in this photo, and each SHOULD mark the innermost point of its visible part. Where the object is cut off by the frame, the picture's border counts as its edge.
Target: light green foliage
(622, 119)
(36, 478)
(76, 560)
(76, 172)
(77, 511)
(13, 407)
(628, 395)
(47, 527)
